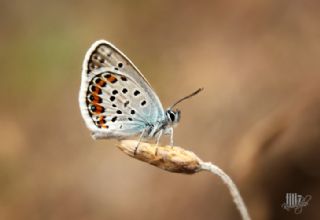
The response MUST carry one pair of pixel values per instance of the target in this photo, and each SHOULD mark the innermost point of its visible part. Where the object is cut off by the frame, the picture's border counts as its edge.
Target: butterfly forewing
(104, 54)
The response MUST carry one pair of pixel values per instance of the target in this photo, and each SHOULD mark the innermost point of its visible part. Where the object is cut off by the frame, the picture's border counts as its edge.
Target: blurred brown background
(258, 118)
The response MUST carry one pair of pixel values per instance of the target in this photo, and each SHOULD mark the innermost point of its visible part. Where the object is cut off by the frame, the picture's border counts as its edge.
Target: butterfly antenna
(186, 97)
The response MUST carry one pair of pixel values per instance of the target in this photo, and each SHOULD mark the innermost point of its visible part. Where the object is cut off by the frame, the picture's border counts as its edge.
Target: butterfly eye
(172, 116)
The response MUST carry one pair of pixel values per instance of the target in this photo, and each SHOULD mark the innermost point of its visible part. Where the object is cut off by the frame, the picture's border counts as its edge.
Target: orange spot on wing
(102, 122)
(96, 98)
(102, 83)
(99, 109)
(96, 90)
(112, 79)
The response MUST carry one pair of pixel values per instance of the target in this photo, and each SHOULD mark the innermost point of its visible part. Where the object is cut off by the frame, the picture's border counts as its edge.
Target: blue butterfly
(116, 101)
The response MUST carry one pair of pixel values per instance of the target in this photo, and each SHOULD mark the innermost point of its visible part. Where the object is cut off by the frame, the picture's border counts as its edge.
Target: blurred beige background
(258, 118)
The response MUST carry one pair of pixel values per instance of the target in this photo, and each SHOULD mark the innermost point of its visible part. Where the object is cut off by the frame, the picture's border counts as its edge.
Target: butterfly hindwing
(115, 105)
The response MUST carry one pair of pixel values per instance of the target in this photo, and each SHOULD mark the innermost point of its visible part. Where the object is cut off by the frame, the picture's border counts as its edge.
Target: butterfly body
(116, 101)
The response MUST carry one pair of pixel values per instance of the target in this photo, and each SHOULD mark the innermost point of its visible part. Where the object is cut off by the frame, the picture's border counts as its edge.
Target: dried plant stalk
(178, 160)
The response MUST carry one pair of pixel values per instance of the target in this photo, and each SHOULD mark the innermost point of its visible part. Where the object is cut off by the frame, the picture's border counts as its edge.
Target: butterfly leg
(140, 138)
(171, 137)
(158, 140)
(159, 136)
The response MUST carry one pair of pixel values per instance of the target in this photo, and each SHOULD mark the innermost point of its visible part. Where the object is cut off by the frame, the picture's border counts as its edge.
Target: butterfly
(116, 101)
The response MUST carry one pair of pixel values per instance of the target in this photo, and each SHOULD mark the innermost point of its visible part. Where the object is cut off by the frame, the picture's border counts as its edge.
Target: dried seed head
(173, 159)
(178, 160)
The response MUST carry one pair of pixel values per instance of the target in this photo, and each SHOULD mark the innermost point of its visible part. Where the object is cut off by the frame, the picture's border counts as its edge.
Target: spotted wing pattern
(115, 99)
(104, 54)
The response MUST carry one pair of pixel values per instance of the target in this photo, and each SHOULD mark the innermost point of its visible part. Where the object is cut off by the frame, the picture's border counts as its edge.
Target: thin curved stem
(237, 199)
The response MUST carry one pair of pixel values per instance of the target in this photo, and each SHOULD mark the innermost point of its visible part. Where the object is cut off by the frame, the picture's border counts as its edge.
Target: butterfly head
(173, 116)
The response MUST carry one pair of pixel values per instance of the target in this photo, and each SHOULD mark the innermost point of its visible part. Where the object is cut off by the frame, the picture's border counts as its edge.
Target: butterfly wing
(115, 99)
(104, 54)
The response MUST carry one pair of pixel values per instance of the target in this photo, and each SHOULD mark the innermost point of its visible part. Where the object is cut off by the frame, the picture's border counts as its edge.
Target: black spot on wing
(137, 92)
(112, 98)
